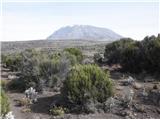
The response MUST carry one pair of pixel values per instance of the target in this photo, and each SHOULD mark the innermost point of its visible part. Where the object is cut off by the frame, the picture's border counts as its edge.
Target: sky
(34, 20)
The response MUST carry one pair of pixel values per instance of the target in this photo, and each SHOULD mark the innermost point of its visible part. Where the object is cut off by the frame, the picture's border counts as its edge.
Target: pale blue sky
(37, 20)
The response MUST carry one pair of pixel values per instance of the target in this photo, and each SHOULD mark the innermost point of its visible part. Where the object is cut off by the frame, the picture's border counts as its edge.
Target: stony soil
(40, 109)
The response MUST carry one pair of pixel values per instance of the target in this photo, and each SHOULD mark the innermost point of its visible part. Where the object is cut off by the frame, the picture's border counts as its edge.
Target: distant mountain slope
(85, 32)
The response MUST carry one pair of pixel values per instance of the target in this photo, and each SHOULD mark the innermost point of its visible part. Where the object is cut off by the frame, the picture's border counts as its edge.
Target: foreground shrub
(86, 83)
(4, 84)
(4, 102)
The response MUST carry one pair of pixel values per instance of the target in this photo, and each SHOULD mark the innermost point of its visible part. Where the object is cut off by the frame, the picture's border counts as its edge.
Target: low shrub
(87, 83)
(4, 84)
(23, 102)
(57, 111)
(26, 110)
(4, 102)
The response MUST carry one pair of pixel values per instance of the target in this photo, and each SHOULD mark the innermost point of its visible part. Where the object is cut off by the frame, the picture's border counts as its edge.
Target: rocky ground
(139, 108)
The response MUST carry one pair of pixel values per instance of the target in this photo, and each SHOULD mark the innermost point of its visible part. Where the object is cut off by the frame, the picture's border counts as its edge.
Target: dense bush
(113, 51)
(130, 58)
(135, 56)
(86, 83)
(151, 53)
(4, 102)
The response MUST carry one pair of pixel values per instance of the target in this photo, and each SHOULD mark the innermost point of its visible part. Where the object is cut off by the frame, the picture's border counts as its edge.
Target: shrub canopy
(87, 82)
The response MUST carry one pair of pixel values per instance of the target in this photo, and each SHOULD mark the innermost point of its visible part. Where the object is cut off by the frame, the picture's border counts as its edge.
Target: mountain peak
(86, 32)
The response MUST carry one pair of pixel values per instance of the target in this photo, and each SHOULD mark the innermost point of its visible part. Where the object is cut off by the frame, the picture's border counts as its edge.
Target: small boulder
(154, 96)
(136, 85)
(139, 108)
(11, 77)
(126, 113)
(87, 61)
(119, 88)
(158, 110)
(155, 86)
(148, 79)
(128, 81)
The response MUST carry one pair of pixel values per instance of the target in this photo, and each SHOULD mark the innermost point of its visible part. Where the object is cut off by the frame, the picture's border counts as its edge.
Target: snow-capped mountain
(84, 32)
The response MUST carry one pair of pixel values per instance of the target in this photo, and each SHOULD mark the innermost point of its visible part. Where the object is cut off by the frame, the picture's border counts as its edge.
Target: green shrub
(4, 102)
(4, 84)
(151, 47)
(72, 58)
(85, 83)
(76, 52)
(130, 58)
(113, 51)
